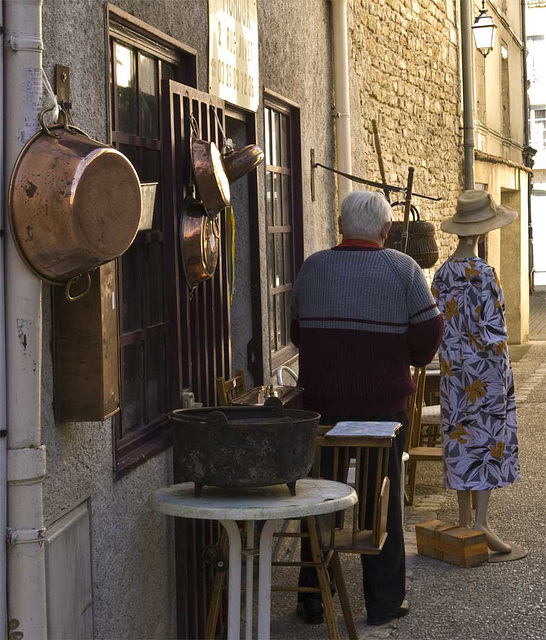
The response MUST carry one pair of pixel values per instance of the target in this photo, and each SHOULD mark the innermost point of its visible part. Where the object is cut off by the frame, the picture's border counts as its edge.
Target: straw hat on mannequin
(477, 214)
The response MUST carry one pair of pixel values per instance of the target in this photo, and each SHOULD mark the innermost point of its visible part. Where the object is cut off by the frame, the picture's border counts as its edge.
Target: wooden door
(201, 334)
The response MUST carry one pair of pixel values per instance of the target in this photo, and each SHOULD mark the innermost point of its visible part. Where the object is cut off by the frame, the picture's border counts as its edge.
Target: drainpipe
(467, 51)
(3, 417)
(528, 152)
(342, 110)
(26, 455)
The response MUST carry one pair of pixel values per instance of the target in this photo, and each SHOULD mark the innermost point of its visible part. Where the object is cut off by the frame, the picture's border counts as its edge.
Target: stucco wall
(133, 555)
(405, 74)
(296, 63)
(133, 551)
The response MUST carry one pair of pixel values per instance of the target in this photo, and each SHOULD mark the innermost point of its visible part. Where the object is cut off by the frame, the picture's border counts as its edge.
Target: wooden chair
(361, 538)
(420, 445)
(228, 390)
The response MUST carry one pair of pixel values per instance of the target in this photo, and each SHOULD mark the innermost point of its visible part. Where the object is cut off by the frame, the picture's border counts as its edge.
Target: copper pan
(210, 176)
(239, 162)
(74, 203)
(199, 242)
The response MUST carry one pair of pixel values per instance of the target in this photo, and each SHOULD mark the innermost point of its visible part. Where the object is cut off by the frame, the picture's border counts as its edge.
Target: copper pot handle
(216, 227)
(72, 281)
(68, 124)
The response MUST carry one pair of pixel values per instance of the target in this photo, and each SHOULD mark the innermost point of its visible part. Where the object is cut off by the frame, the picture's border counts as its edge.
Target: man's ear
(386, 228)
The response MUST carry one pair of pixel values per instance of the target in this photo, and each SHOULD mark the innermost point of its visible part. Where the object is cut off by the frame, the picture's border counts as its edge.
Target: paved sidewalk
(504, 601)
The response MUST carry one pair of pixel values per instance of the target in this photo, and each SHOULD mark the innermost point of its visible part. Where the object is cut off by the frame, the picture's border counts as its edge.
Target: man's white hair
(364, 213)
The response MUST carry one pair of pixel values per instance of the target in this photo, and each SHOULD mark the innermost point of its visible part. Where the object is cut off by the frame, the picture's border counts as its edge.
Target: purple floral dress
(477, 386)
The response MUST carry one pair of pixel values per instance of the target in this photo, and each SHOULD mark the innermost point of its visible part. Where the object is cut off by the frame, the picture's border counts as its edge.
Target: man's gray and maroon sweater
(361, 315)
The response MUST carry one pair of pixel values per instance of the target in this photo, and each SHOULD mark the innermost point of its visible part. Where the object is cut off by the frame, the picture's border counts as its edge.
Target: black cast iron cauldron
(245, 446)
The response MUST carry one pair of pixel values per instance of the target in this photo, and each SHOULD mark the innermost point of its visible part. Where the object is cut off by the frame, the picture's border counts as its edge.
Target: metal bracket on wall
(313, 167)
(62, 86)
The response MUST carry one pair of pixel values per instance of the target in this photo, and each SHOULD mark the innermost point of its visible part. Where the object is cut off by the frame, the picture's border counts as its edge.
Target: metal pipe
(342, 107)
(527, 153)
(26, 455)
(3, 415)
(467, 51)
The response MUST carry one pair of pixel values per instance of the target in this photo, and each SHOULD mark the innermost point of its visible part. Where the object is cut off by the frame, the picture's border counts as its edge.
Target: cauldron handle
(275, 404)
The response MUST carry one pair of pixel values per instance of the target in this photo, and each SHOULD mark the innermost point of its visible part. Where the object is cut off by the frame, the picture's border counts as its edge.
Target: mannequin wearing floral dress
(477, 388)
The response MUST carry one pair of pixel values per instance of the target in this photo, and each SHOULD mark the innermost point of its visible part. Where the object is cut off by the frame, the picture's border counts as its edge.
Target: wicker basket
(422, 245)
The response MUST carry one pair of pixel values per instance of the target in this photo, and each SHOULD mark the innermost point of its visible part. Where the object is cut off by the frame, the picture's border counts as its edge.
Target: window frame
(292, 110)
(153, 437)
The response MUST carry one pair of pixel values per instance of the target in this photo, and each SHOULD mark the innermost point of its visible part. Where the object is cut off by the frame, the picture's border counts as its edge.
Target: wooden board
(451, 543)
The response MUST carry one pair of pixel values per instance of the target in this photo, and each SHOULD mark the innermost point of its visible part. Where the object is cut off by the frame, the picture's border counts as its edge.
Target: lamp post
(484, 31)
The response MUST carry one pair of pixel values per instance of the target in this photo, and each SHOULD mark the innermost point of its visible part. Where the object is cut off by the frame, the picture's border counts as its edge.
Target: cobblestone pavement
(504, 601)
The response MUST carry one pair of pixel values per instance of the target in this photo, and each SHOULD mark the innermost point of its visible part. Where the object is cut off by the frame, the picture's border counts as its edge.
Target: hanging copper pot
(239, 162)
(210, 175)
(199, 242)
(74, 203)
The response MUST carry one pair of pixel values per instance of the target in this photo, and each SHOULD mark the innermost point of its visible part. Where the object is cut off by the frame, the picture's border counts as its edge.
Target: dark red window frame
(284, 215)
(137, 442)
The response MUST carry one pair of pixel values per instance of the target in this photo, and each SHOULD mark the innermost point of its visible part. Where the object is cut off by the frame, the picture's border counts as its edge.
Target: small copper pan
(199, 242)
(239, 162)
(209, 172)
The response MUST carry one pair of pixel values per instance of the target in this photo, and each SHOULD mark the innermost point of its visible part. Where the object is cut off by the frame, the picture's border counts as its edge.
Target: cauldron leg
(197, 489)
(292, 487)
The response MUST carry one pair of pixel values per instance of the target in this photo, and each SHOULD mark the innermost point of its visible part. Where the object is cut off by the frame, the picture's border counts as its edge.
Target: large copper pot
(74, 203)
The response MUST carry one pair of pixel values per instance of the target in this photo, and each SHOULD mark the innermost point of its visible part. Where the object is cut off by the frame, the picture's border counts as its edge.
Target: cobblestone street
(505, 600)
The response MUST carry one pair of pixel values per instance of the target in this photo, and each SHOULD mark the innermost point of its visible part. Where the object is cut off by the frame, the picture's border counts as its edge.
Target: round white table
(272, 504)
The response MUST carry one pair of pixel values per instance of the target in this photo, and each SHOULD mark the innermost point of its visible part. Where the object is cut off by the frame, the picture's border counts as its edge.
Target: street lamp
(484, 31)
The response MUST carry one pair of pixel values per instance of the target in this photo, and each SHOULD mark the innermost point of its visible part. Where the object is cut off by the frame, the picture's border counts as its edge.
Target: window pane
(269, 197)
(287, 258)
(272, 327)
(275, 138)
(288, 314)
(151, 172)
(286, 198)
(125, 89)
(267, 136)
(277, 212)
(279, 261)
(154, 283)
(132, 154)
(148, 97)
(281, 335)
(133, 392)
(271, 259)
(131, 314)
(155, 377)
(167, 71)
(285, 143)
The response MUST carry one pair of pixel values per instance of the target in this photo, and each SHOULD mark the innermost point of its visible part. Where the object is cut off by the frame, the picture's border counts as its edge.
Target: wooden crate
(451, 543)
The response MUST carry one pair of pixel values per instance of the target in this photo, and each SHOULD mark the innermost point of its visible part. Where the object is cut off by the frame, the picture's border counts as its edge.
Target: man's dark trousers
(384, 575)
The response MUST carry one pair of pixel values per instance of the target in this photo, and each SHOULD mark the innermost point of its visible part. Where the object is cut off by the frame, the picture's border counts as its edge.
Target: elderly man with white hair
(361, 315)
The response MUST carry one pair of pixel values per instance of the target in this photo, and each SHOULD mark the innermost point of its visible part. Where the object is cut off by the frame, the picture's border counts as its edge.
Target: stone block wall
(406, 75)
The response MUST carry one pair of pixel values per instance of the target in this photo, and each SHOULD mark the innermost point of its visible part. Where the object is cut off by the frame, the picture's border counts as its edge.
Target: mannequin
(477, 394)
(468, 248)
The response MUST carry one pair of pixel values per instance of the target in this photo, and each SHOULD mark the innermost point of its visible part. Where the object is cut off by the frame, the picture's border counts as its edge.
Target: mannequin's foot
(493, 541)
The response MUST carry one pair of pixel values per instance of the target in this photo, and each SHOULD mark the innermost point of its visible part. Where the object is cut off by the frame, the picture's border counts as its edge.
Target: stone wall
(405, 74)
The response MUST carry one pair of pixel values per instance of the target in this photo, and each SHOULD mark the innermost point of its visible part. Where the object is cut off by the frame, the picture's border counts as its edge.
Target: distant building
(536, 74)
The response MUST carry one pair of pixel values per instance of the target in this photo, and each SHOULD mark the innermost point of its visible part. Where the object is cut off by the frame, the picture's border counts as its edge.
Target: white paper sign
(233, 52)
